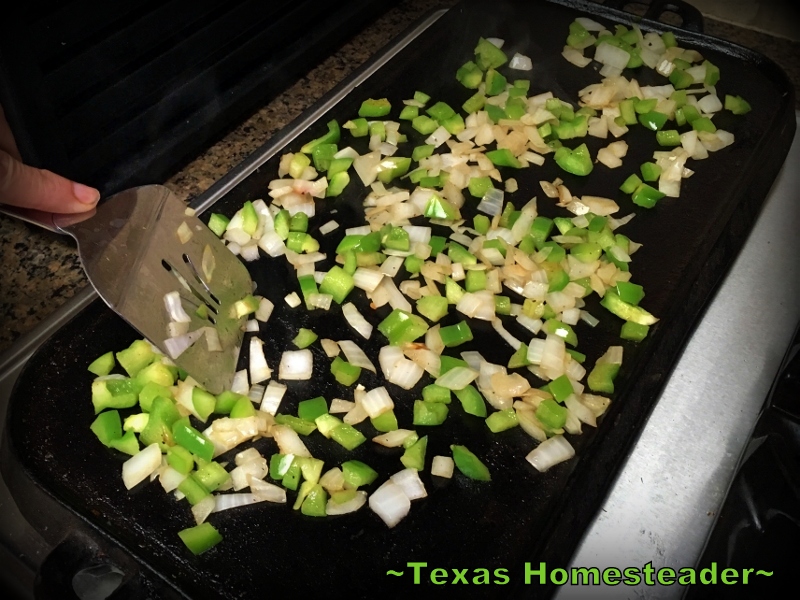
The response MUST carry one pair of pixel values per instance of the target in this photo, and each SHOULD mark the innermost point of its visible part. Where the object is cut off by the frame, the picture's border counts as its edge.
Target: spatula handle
(54, 222)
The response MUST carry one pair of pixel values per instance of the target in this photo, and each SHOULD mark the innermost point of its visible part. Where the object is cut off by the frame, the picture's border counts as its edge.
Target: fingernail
(85, 194)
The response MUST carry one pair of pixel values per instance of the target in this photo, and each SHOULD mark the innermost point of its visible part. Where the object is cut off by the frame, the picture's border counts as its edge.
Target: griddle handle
(691, 18)
(82, 562)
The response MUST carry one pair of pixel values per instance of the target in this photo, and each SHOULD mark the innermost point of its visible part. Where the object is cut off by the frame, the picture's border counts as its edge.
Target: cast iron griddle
(521, 515)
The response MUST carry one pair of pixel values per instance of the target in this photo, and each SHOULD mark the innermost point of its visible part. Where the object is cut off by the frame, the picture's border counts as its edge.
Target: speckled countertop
(41, 271)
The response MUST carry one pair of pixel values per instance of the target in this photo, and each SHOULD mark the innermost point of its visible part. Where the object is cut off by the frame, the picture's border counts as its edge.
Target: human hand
(28, 187)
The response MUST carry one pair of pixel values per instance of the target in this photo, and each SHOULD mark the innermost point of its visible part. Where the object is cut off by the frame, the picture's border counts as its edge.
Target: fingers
(28, 187)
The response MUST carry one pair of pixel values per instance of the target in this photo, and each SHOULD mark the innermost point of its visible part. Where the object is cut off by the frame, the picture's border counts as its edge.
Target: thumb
(29, 187)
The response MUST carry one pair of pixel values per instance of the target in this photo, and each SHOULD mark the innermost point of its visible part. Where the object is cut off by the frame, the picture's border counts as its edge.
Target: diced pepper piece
(623, 310)
(301, 426)
(737, 105)
(180, 459)
(212, 475)
(650, 172)
(200, 538)
(502, 157)
(163, 414)
(469, 75)
(374, 107)
(135, 357)
(193, 489)
(331, 137)
(401, 327)
(633, 331)
(190, 438)
(107, 426)
(487, 55)
(310, 409)
(338, 283)
(429, 413)
(315, 501)
(432, 308)
(631, 293)
(304, 338)
(653, 120)
(502, 420)
(345, 372)
(469, 464)
(414, 455)
(551, 414)
(357, 473)
(386, 421)
(348, 436)
(218, 223)
(646, 196)
(242, 408)
(455, 335)
(577, 161)
(471, 401)
(102, 365)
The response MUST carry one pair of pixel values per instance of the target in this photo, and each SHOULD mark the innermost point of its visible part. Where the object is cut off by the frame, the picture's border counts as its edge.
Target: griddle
(50, 454)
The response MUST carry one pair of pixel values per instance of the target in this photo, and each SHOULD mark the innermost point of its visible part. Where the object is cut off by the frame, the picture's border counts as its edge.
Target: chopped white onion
(296, 365)
(273, 395)
(176, 346)
(552, 451)
(355, 355)
(377, 401)
(172, 302)
(259, 369)
(268, 492)
(390, 503)
(393, 439)
(289, 441)
(141, 465)
(352, 505)
(409, 481)
(356, 320)
(442, 466)
(520, 62)
(457, 378)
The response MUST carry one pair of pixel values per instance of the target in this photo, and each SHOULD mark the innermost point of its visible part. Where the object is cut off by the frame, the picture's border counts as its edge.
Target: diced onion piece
(212, 339)
(390, 503)
(205, 507)
(296, 365)
(289, 441)
(497, 324)
(457, 378)
(409, 481)
(141, 465)
(550, 452)
(442, 466)
(520, 62)
(176, 346)
(259, 369)
(393, 439)
(611, 55)
(170, 479)
(328, 227)
(352, 505)
(377, 401)
(339, 405)
(293, 300)
(357, 320)
(355, 355)
(264, 310)
(268, 492)
(184, 232)
(575, 56)
(229, 501)
(330, 347)
(241, 382)
(273, 395)
(172, 301)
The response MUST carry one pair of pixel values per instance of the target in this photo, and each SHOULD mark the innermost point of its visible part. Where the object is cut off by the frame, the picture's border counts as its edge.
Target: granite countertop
(42, 271)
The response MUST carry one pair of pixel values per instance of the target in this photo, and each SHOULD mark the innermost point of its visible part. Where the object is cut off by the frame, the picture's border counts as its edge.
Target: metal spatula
(133, 255)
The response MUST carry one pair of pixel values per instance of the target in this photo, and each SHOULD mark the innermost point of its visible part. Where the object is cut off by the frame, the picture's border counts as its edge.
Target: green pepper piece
(331, 137)
(163, 414)
(190, 438)
(200, 538)
(577, 161)
(193, 490)
(243, 408)
(650, 172)
(386, 421)
(211, 475)
(358, 127)
(432, 308)
(348, 436)
(315, 501)
(471, 401)
(401, 327)
(630, 184)
(551, 414)
(312, 408)
(414, 455)
(487, 55)
(455, 335)
(436, 393)
(475, 281)
(631, 293)
(653, 120)
(180, 459)
(601, 377)
(357, 473)
(102, 365)
(469, 75)
(338, 283)
(218, 223)
(107, 426)
(502, 157)
(561, 388)
(646, 196)
(633, 331)
(136, 357)
(424, 124)
(344, 372)
(737, 105)
(429, 413)
(127, 444)
(623, 310)
(502, 420)
(304, 338)
(469, 464)
(374, 107)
